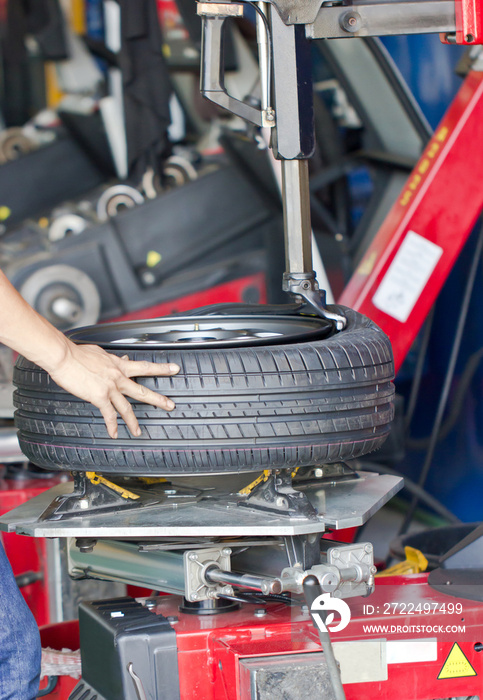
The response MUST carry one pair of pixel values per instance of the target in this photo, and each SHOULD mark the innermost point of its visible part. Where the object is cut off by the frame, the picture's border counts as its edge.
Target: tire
(237, 409)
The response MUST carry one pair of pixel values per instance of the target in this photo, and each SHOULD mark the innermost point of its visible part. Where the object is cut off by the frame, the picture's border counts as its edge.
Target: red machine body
(404, 268)
(440, 660)
(210, 648)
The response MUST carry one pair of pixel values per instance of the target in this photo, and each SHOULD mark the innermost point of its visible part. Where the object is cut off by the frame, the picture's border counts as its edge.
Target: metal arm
(290, 25)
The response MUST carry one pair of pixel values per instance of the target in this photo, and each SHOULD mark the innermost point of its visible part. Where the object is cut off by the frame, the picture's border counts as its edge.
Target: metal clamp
(305, 285)
(346, 571)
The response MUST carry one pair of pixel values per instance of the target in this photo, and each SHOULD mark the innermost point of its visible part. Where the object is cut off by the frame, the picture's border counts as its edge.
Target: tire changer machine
(237, 624)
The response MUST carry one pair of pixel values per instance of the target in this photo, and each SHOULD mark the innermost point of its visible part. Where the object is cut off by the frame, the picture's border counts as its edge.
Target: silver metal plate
(344, 504)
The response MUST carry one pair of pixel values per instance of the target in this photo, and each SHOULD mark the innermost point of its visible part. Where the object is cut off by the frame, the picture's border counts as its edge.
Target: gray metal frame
(345, 504)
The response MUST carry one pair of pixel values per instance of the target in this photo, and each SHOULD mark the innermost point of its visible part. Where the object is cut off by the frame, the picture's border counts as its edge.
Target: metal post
(296, 214)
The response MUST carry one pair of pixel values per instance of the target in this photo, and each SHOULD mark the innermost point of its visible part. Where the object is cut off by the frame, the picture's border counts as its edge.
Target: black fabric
(147, 87)
(23, 92)
(41, 18)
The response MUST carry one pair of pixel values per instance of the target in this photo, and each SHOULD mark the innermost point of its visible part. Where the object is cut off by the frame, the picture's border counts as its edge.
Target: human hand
(103, 379)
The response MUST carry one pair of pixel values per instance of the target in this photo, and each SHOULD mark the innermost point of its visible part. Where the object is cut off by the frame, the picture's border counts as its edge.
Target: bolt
(373, 569)
(351, 21)
(172, 619)
(335, 554)
(83, 504)
(227, 590)
(260, 612)
(318, 473)
(85, 545)
(368, 548)
(281, 502)
(192, 556)
(305, 285)
(194, 596)
(226, 552)
(150, 604)
(304, 609)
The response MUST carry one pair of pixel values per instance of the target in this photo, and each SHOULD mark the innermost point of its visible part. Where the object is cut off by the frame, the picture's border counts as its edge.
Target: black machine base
(127, 652)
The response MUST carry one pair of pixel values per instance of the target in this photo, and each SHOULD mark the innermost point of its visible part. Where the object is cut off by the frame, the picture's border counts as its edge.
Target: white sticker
(409, 651)
(407, 276)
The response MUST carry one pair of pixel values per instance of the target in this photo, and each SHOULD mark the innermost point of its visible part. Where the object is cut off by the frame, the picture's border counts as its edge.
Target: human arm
(87, 371)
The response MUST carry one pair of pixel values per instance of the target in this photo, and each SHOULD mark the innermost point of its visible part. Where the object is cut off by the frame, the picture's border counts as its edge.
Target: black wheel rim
(184, 332)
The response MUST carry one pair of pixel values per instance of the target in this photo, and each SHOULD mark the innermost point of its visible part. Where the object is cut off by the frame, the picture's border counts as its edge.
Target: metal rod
(263, 56)
(296, 211)
(266, 585)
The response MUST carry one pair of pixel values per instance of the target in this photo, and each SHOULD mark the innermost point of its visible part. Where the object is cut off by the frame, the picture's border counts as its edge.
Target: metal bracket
(94, 494)
(277, 495)
(212, 87)
(195, 566)
(355, 563)
(335, 20)
(305, 285)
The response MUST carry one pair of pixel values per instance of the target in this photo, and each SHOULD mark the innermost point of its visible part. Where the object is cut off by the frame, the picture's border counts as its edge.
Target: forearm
(27, 332)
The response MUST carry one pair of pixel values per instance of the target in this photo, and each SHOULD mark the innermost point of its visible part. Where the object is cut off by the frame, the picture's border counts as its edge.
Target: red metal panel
(440, 203)
(210, 648)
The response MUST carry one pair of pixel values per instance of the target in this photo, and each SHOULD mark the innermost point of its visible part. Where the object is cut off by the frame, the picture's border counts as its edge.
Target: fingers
(120, 405)
(142, 393)
(132, 368)
(110, 419)
(124, 408)
(117, 402)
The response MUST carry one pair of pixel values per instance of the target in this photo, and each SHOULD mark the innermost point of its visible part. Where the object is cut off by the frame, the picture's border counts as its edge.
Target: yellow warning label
(456, 665)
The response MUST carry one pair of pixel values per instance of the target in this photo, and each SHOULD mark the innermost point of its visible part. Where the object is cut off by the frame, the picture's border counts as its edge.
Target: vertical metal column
(294, 139)
(296, 215)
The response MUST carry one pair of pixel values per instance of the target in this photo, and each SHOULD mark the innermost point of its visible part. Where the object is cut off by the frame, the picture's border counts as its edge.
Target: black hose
(418, 370)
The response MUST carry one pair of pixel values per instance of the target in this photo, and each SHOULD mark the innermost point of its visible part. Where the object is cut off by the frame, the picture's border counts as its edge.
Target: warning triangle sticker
(456, 665)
